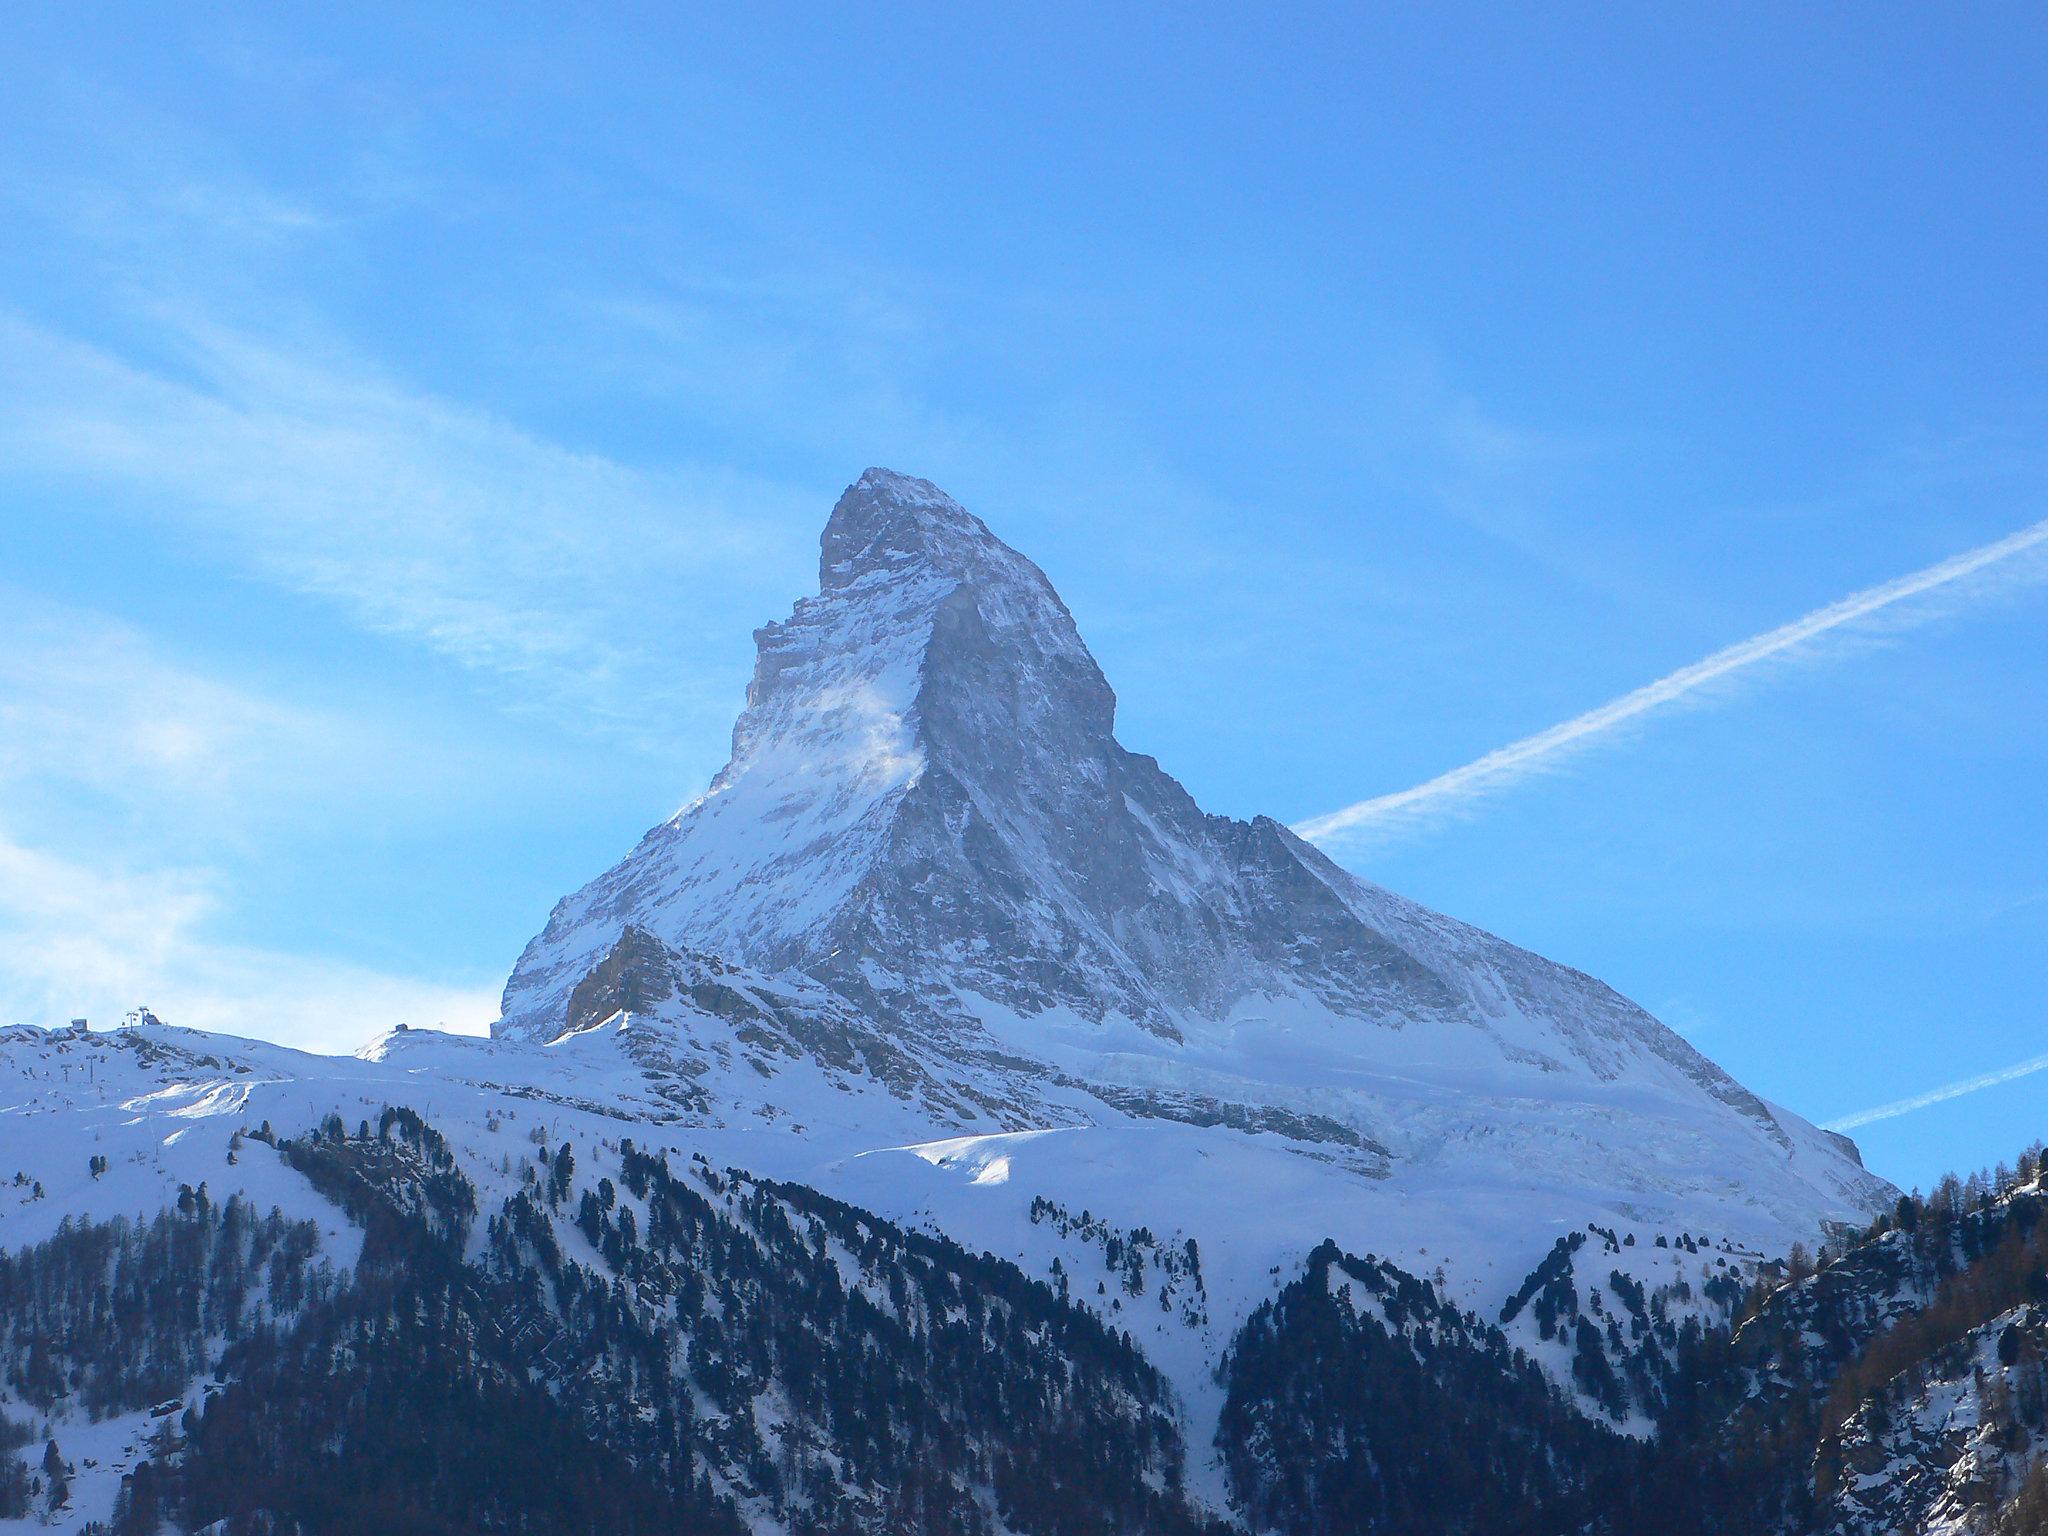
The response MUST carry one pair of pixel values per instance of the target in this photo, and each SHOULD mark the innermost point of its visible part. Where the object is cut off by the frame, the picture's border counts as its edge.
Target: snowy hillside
(1170, 1232)
(936, 946)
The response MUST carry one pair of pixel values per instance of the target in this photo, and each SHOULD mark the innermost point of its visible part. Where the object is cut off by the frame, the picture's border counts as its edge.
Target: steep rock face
(1942, 1449)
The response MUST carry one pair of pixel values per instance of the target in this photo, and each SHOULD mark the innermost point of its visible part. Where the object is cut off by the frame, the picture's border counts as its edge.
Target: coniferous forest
(715, 1345)
(619, 1342)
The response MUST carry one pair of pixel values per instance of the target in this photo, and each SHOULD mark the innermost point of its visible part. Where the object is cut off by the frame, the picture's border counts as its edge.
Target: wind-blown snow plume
(1940, 1095)
(1446, 793)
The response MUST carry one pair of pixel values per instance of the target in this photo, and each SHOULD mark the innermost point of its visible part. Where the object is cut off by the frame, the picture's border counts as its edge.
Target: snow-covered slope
(769, 1075)
(928, 815)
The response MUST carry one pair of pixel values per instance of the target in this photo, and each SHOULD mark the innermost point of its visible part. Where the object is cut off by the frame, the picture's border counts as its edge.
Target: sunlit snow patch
(985, 1159)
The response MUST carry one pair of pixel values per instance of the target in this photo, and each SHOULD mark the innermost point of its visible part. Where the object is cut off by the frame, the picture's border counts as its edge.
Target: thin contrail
(1501, 767)
(1939, 1095)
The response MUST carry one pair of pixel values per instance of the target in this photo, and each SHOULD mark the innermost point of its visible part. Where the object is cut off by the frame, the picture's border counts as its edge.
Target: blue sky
(405, 419)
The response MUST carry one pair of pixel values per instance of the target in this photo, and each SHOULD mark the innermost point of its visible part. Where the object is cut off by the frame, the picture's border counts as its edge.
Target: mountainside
(1900, 1385)
(940, 1035)
(511, 1316)
(244, 1284)
(927, 814)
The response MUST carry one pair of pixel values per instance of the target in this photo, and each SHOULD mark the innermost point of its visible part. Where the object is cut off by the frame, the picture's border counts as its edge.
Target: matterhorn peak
(907, 576)
(927, 819)
(888, 522)
(931, 645)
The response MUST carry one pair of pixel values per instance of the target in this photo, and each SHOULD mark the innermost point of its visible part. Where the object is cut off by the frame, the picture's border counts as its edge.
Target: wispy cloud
(91, 707)
(1451, 792)
(558, 572)
(87, 699)
(136, 787)
(84, 941)
(116, 738)
(1941, 1095)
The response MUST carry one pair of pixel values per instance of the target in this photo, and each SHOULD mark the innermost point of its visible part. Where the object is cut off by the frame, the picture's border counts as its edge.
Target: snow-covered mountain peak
(886, 522)
(931, 643)
(895, 544)
(929, 843)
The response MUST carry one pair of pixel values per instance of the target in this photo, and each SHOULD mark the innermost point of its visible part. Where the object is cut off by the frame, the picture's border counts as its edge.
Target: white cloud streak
(86, 699)
(1941, 1095)
(1410, 809)
(555, 571)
